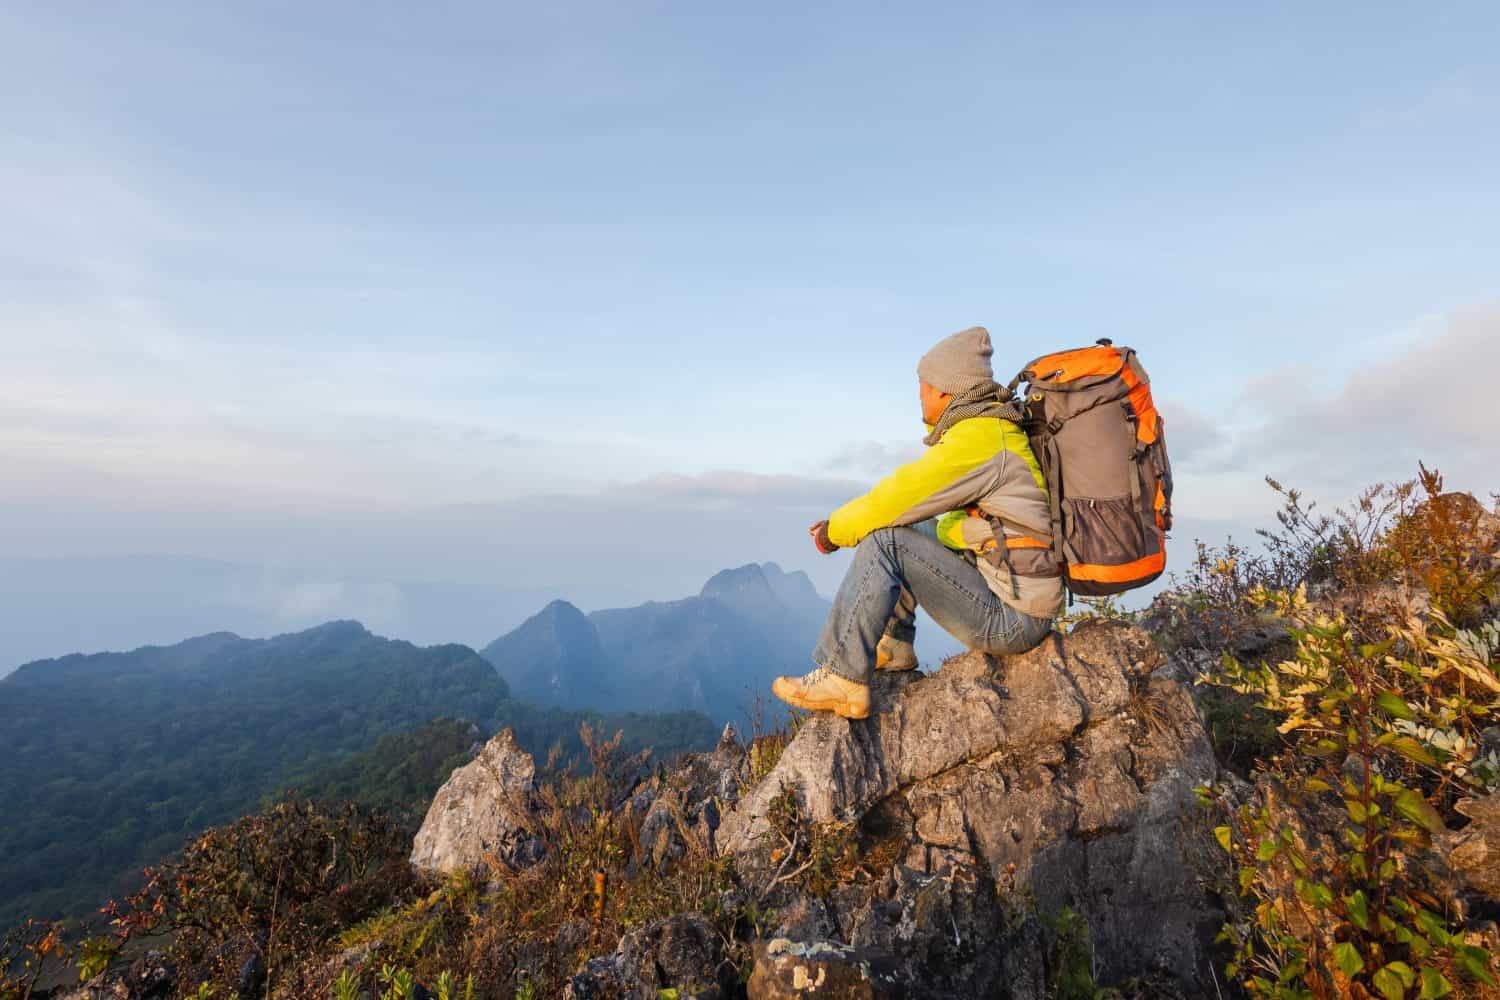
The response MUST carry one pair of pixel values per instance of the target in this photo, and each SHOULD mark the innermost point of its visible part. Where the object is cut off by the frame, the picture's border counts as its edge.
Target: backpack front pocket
(1109, 546)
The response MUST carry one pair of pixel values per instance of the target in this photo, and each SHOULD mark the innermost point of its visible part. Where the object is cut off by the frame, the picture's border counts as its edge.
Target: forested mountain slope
(108, 761)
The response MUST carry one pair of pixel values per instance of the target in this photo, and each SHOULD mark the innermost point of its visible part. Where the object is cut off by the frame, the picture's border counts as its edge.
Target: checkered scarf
(984, 399)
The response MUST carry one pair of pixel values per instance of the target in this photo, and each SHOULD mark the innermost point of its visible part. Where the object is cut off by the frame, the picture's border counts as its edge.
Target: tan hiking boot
(895, 654)
(824, 691)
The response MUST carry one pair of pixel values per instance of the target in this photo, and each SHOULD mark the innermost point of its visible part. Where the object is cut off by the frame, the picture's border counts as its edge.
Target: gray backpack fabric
(1098, 439)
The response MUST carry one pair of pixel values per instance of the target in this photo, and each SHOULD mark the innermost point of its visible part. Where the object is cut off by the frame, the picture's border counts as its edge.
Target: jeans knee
(1018, 637)
(880, 538)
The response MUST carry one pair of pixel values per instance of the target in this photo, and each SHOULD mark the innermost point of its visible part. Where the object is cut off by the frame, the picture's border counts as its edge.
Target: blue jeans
(894, 571)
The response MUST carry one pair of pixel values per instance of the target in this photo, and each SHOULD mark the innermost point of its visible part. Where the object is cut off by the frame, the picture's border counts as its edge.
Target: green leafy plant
(346, 986)
(1380, 731)
(1377, 706)
(447, 987)
(398, 983)
(1070, 960)
(95, 954)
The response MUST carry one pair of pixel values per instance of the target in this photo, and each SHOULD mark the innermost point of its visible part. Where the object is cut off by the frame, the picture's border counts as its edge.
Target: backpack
(1098, 439)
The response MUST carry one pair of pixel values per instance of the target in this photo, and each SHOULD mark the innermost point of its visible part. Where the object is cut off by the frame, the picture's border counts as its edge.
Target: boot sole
(838, 708)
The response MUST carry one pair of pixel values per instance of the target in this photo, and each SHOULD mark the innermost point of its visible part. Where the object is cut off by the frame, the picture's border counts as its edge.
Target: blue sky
(603, 297)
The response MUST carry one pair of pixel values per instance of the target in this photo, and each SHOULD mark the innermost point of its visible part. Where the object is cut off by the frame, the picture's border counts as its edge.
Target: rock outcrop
(681, 811)
(1059, 780)
(681, 953)
(988, 828)
(483, 814)
(1473, 853)
(790, 970)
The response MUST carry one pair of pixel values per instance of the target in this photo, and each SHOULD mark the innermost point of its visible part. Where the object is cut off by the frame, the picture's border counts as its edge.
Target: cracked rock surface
(1059, 779)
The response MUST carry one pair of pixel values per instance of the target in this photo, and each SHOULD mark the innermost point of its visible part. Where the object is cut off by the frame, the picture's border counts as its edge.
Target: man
(983, 569)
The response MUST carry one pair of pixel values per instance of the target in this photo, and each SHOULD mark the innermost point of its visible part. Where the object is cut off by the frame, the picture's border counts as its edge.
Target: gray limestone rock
(483, 815)
(681, 953)
(149, 977)
(1473, 853)
(682, 810)
(1063, 777)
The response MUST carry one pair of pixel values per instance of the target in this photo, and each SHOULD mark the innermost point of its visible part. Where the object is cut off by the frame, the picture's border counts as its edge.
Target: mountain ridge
(711, 652)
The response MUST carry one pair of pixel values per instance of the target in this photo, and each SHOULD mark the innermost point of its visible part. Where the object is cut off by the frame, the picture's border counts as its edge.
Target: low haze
(426, 316)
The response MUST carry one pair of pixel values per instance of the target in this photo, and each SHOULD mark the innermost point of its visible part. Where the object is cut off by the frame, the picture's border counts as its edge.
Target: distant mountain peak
(551, 658)
(737, 582)
(711, 652)
(337, 629)
(795, 590)
(564, 621)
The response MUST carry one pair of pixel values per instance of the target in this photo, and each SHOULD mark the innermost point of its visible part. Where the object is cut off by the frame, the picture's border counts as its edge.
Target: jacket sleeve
(934, 484)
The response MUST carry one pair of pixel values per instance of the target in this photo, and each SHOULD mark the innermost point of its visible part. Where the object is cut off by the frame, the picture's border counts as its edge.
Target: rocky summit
(984, 820)
(1058, 782)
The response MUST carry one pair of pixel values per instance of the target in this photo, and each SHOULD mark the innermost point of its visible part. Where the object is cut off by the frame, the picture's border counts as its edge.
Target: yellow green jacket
(984, 463)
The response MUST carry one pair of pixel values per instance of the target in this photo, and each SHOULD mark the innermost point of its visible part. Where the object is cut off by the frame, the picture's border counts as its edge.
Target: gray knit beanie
(959, 362)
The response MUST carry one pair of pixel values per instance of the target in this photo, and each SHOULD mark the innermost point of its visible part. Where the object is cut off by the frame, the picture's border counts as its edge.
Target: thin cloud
(1433, 402)
(1190, 433)
(874, 458)
(730, 488)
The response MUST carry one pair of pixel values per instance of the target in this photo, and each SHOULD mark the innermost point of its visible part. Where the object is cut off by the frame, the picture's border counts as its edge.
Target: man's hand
(819, 534)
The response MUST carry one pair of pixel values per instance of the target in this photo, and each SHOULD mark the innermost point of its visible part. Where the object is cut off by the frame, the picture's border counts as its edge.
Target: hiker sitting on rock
(964, 532)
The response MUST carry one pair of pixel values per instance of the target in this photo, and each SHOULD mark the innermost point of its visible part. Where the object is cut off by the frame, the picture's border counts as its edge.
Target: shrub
(1380, 704)
(29, 951)
(1091, 609)
(1445, 547)
(275, 884)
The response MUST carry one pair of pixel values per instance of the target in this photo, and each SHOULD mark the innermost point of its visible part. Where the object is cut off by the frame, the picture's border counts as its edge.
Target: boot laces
(815, 676)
